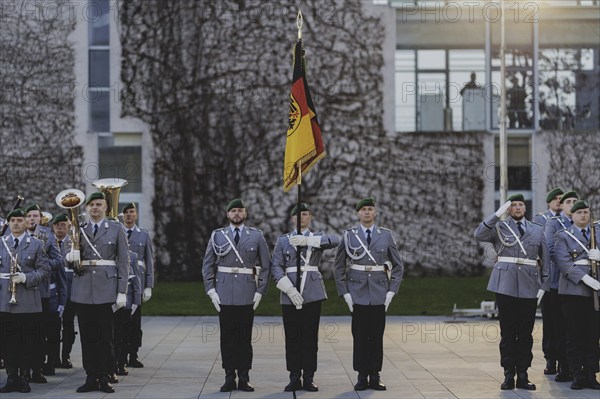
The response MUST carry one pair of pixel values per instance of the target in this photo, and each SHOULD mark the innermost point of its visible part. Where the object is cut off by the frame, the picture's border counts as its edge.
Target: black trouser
(41, 355)
(135, 338)
(368, 326)
(52, 337)
(21, 339)
(517, 317)
(125, 333)
(235, 325)
(554, 339)
(581, 319)
(301, 336)
(68, 329)
(96, 325)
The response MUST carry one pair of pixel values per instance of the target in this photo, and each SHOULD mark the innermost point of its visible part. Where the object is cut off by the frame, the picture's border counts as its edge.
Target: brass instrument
(15, 206)
(595, 264)
(46, 218)
(111, 189)
(72, 199)
(12, 287)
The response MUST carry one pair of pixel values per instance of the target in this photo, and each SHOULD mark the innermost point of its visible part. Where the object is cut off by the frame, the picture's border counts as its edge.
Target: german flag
(304, 145)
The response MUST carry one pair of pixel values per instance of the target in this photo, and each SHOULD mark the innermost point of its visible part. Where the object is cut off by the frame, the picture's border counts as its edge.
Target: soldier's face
(367, 215)
(517, 210)
(60, 229)
(554, 205)
(581, 218)
(33, 219)
(305, 219)
(97, 209)
(237, 216)
(130, 216)
(17, 225)
(568, 204)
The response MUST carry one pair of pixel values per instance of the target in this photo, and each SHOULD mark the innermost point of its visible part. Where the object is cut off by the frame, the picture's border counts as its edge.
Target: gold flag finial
(299, 24)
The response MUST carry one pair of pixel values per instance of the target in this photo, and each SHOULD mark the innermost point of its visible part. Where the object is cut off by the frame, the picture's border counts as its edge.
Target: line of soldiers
(236, 269)
(548, 261)
(115, 276)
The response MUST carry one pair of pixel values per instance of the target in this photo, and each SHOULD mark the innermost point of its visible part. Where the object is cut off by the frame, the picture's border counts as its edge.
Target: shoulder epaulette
(539, 224)
(384, 229)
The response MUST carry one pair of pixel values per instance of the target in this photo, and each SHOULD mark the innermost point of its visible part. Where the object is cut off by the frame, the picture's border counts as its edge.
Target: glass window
(432, 59)
(99, 110)
(97, 14)
(405, 91)
(123, 162)
(99, 68)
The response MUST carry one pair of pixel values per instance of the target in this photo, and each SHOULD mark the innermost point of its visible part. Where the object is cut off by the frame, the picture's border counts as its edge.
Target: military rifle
(595, 264)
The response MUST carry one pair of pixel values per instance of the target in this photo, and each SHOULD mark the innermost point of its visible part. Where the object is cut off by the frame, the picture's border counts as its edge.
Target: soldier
(105, 260)
(515, 279)
(373, 278)
(236, 270)
(140, 243)
(20, 335)
(576, 288)
(551, 311)
(301, 309)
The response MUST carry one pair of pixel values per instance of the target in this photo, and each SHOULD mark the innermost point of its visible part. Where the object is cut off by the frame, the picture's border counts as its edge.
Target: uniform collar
(240, 227)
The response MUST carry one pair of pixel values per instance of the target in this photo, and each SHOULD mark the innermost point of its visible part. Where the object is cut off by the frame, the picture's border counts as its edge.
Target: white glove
(214, 297)
(256, 300)
(121, 300)
(540, 295)
(147, 294)
(502, 210)
(388, 299)
(18, 277)
(133, 308)
(61, 309)
(594, 254)
(298, 240)
(73, 256)
(591, 282)
(313, 241)
(348, 299)
(284, 284)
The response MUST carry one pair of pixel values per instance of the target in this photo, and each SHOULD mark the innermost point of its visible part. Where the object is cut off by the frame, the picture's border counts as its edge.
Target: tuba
(72, 199)
(46, 218)
(111, 188)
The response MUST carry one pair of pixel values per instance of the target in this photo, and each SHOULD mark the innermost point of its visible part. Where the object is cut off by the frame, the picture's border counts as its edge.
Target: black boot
(134, 361)
(362, 384)
(578, 380)
(308, 382)
(24, 381)
(375, 382)
(550, 367)
(564, 374)
(13, 381)
(244, 381)
(37, 377)
(66, 362)
(230, 384)
(91, 384)
(523, 380)
(590, 380)
(122, 369)
(104, 383)
(509, 379)
(295, 383)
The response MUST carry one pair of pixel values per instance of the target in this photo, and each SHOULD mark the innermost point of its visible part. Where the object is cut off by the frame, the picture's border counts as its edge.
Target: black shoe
(48, 370)
(523, 381)
(66, 363)
(375, 382)
(591, 382)
(308, 383)
(25, 387)
(244, 381)
(122, 369)
(135, 362)
(112, 378)
(104, 385)
(37, 377)
(362, 384)
(295, 383)
(90, 385)
(13, 382)
(578, 383)
(563, 376)
(230, 384)
(550, 367)
(509, 379)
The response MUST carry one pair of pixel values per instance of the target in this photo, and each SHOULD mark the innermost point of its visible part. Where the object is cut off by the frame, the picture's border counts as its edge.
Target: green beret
(98, 195)
(17, 213)
(60, 218)
(34, 207)
(581, 204)
(553, 193)
(569, 194)
(516, 197)
(235, 203)
(365, 202)
(131, 205)
(303, 207)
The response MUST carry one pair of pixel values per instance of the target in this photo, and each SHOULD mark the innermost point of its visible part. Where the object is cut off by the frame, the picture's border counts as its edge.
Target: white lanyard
(365, 247)
(88, 241)
(233, 247)
(578, 242)
(10, 254)
(517, 238)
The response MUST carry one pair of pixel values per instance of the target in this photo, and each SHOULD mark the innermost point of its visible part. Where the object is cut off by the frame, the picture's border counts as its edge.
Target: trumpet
(46, 218)
(111, 189)
(72, 199)
(12, 287)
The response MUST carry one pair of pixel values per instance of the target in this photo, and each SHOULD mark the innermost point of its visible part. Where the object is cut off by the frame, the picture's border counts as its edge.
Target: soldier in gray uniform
(139, 242)
(301, 306)
(236, 269)
(368, 272)
(516, 279)
(20, 322)
(576, 288)
(554, 208)
(105, 259)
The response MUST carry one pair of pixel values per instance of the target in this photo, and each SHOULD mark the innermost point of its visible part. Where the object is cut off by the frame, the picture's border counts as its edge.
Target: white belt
(236, 270)
(141, 263)
(517, 261)
(302, 269)
(583, 262)
(131, 276)
(367, 268)
(53, 286)
(67, 270)
(98, 263)
(5, 276)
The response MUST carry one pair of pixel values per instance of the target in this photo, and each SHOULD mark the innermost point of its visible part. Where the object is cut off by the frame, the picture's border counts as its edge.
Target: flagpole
(299, 229)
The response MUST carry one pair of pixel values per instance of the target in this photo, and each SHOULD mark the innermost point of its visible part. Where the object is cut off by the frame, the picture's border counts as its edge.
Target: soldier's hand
(348, 299)
(285, 285)
(298, 240)
(73, 256)
(214, 297)
(314, 241)
(502, 210)
(257, 298)
(540, 295)
(594, 254)
(133, 308)
(18, 278)
(388, 299)
(61, 309)
(147, 294)
(591, 282)
(121, 300)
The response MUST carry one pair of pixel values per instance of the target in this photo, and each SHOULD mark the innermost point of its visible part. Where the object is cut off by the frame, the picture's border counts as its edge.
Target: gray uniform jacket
(58, 279)
(35, 264)
(236, 288)
(141, 244)
(567, 252)
(134, 291)
(64, 250)
(367, 287)
(543, 217)
(554, 225)
(510, 278)
(100, 284)
(284, 256)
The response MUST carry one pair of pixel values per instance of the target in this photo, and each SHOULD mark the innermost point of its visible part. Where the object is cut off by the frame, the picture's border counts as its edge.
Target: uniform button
(369, 274)
(94, 272)
(235, 275)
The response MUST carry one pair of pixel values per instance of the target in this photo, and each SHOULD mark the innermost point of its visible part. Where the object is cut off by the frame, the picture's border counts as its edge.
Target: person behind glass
(105, 260)
(516, 279)
(576, 289)
(301, 306)
(21, 349)
(516, 96)
(368, 272)
(236, 269)
(140, 243)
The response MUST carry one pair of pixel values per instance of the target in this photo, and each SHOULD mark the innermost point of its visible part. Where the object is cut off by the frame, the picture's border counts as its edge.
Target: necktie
(237, 235)
(16, 243)
(368, 236)
(584, 234)
(520, 227)
(557, 214)
(128, 234)
(95, 229)
(60, 244)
